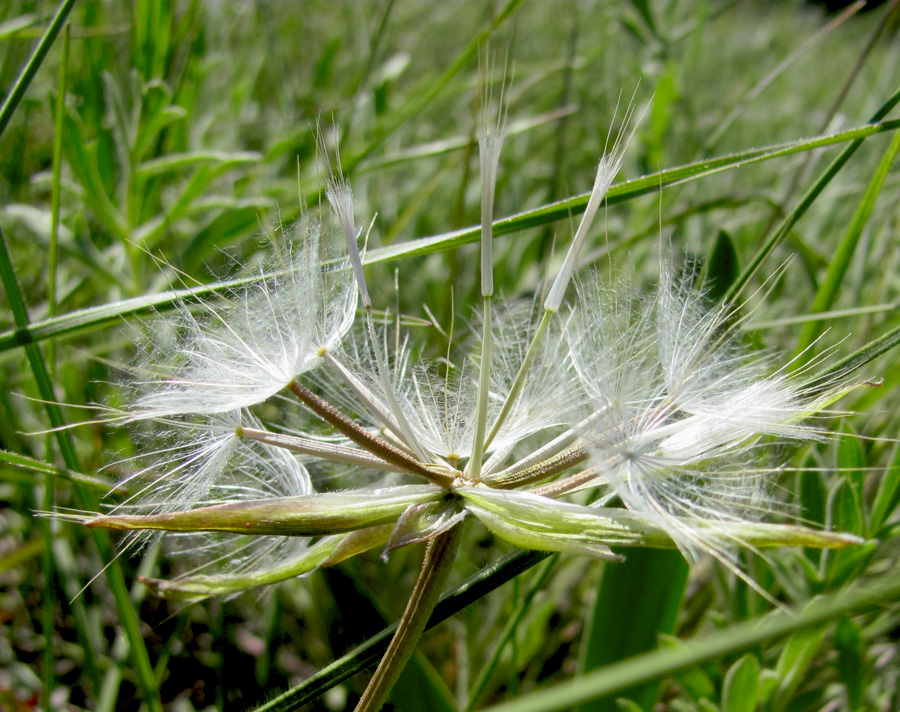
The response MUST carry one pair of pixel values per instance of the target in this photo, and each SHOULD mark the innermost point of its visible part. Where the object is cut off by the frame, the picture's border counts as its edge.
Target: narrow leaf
(637, 602)
(305, 515)
(828, 289)
(325, 552)
(741, 636)
(740, 691)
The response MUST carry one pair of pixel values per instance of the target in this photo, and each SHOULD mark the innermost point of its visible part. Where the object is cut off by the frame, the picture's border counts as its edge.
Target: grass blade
(811, 196)
(34, 63)
(630, 612)
(106, 314)
(829, 287)
(623, 191)
(854, 361)
(739, 637)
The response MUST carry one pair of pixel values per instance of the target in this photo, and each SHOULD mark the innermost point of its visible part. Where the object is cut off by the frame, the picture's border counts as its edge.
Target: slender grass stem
(317, 448)
(34, 63)
(484, 387)
(436, 566)
(374, 444)
(519, 381)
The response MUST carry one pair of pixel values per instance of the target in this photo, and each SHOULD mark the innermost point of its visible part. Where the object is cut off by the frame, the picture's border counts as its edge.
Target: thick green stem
(435, 567)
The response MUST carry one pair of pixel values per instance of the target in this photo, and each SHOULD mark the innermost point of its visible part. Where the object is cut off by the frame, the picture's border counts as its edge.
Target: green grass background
(187, 130)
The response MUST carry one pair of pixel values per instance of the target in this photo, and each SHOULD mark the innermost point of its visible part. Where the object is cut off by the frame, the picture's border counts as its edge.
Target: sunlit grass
(188, 134)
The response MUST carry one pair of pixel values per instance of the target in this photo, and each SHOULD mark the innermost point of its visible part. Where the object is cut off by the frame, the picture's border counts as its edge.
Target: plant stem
(318, 448)
(484, 387)
(436, 566)
(33, 64)
(374, 444)
(575, 455)
(519, 382)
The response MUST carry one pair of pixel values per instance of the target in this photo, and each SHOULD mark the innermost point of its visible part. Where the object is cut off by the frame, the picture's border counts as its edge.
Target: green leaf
(740, 691)
(722, 267)
(625, 705)
(813, 494)
(843, 255)
(643, 8)
(43, 468)
(888, 495)
(638, 600)
(183, 161)
(16, 24)
(846, 508)
(203, 176)
(851, 461)
(850, 663)
(793, 664)
(223, 229)
(844, 514)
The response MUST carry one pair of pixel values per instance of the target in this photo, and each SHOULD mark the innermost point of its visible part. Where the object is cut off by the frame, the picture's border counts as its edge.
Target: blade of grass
(48, 470)
(86, 500)
(828, 289)
(741, 636)
(34, 63)
(631, 610)
(96, 317)
(628, 190)
(364, 655)
(782, 66)
(811, 195)
(854, 361)
(106, 314)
